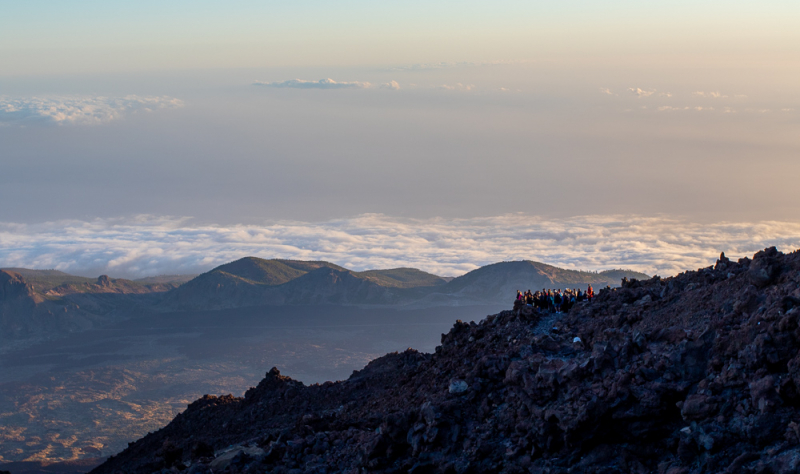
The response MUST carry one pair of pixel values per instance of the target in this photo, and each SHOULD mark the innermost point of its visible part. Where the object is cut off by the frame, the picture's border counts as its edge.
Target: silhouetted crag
(696, 373)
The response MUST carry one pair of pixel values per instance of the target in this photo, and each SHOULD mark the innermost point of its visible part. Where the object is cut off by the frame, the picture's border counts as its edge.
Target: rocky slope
(691, 374)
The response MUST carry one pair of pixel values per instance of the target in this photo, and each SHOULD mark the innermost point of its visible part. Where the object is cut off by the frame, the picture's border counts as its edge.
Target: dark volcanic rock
(692, 374)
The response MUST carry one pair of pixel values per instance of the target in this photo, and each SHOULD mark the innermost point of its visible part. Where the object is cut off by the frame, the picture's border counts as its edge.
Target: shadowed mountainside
(48, 303)
(695, 373)
(254, 282)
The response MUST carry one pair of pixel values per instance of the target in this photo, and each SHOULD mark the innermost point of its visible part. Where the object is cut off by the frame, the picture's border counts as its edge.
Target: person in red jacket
(590, 293)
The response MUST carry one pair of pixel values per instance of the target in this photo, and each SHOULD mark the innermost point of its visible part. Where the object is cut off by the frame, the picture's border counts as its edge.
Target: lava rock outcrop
(691, 374)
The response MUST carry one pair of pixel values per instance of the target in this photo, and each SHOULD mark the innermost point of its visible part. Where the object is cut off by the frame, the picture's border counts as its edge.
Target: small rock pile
(691, 374)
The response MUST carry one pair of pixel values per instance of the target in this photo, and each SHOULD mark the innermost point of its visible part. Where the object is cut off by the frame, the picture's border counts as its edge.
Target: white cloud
(393, 85)
(711, 95)
(605, 90)
(321, 84)
(78, 110)
(148, 245)
(641, 92)
(458, 87)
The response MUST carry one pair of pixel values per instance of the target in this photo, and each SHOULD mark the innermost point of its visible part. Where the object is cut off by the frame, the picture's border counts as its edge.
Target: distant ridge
(42, 304)
(46, 280)
(252, 281)
(37, 304)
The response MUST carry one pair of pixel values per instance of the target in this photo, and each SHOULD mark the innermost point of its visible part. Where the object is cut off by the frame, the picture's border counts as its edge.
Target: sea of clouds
(148, 245)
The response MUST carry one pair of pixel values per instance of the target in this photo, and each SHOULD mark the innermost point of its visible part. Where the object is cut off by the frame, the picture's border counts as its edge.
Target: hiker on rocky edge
(566, 296)
(590, 293)
(543, 300)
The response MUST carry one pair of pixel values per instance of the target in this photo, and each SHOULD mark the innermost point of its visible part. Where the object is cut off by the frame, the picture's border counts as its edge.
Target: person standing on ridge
(557, 299)
(590, 293)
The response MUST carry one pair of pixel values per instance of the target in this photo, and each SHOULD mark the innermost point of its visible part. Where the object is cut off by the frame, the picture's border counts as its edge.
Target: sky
(437, 114)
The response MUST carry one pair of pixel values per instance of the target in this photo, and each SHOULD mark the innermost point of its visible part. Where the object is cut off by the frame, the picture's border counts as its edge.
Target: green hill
(254, 281)
(402, 278)
(165, 279)
(270, 272)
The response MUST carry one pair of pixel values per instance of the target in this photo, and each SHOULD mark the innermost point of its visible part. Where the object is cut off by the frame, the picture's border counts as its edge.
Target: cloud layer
(78, 110)
(150, 246)
(321, 84)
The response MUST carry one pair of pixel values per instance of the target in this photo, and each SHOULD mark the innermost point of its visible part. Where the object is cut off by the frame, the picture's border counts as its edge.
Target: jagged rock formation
(691, 374)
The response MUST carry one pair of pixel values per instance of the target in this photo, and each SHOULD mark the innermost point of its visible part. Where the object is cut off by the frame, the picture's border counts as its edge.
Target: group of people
(554, 301)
